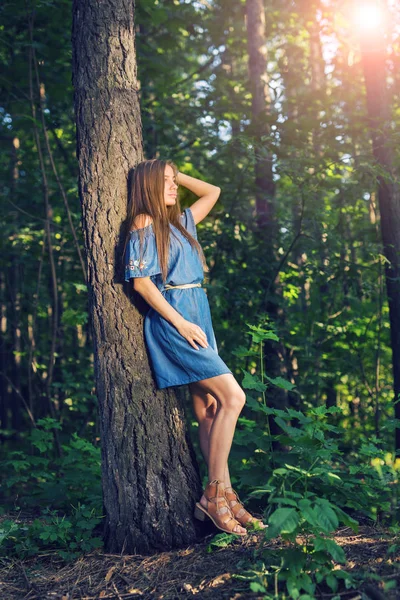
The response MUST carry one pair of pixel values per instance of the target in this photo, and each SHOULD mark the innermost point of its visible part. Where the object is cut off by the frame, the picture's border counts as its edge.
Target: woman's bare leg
(230, 401)
(205, 408)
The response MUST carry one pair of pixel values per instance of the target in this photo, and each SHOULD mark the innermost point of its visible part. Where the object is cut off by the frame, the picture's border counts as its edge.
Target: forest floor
(190, 572)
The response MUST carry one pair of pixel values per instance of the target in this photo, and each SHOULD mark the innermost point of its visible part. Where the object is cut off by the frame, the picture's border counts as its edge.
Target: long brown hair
(146, 196)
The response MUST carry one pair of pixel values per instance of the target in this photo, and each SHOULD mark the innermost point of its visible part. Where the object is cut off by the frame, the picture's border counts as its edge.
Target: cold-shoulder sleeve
(145, 263)
(188, 222)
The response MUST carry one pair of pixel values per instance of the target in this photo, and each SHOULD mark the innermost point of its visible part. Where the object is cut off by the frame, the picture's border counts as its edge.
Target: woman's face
(170, 186)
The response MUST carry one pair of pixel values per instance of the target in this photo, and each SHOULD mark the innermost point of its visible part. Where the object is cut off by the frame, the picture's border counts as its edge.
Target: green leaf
(390, 585)
(332, 582)
(259, 334)
(280, 382)
(241, 352)
(319, 576)
(292, 587)
(252, 382)
(331, 547)
(280, 471)
(74, 317)
(294, 559)
(345, 518)
(280, 500)
(298, 470)
(349, 579)
(291, 431)
(327, 518)
(296, 414)
(305, 582)
(333, 476)
(308, 512)
(283, 520)
(257, 587)
(256, 405)
(221, 540)
(259, 492)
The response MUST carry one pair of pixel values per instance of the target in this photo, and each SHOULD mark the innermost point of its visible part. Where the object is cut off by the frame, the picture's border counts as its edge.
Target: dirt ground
(187, 573)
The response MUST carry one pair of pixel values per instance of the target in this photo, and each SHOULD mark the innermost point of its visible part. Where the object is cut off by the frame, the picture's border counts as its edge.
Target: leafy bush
(68, 486)
(70, 535)
(310, 487)
(50, 480)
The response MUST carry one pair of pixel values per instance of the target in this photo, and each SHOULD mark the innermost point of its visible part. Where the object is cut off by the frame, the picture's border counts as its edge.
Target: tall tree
(267, 230)
(373, 47)
(149, 480)
(260, 110)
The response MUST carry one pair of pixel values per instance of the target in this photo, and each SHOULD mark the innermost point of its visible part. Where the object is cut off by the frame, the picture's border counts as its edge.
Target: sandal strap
(225, 508)
(218, 495)
(237, 507)
(231, 518)
(234, 492)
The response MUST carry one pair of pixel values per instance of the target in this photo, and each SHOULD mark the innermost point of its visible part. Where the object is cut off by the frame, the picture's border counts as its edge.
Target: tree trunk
(260, 109)
(374, 65)
(150, 482)
(267, 234)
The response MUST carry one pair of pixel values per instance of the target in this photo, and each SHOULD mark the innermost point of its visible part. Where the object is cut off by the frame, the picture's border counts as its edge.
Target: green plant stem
(265, 404)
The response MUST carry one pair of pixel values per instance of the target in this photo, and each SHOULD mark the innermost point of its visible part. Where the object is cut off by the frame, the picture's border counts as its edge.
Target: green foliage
(286, 577)
(305, 523)
(311, 488)
(74, 317)
(220, 540)
(70, 535)
(366, 482)
(67, 486)
(50, 480)
(394, 548)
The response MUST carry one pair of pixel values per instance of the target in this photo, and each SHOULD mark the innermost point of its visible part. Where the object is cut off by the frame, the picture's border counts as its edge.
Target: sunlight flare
(367, 16)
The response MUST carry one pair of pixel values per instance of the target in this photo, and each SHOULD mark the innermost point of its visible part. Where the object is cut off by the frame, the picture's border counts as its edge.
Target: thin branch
(35, 217)
(53, 166)
(16, 390)
(49, 241)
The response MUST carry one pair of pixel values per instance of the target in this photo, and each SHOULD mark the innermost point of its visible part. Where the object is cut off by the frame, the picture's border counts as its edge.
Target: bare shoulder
(141, 221)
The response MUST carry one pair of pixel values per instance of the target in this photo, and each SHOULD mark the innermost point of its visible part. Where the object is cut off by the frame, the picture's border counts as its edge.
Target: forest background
(297, 283)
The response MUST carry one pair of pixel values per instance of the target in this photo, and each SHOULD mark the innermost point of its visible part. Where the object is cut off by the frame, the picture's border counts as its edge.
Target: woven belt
(184, 285)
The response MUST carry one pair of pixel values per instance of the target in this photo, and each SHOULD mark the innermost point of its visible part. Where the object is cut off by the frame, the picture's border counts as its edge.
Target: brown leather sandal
(217, 508)
(239, 512)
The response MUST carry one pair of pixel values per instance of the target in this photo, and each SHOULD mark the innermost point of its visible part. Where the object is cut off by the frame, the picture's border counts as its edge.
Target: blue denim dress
(172, 358)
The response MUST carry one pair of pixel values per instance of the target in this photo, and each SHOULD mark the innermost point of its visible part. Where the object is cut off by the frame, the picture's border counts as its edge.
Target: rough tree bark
(150, 482)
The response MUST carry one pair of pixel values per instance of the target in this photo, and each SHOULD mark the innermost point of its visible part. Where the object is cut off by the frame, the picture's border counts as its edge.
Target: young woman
(167, 265)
